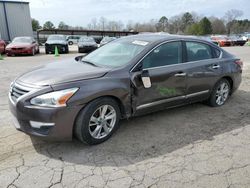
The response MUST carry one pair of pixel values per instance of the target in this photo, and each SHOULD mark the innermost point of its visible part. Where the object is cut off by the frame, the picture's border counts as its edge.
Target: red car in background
(222, 40)
(2, 46)
(22, 45)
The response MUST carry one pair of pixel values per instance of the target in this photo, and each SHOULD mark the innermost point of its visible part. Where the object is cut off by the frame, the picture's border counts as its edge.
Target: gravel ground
(190, 146)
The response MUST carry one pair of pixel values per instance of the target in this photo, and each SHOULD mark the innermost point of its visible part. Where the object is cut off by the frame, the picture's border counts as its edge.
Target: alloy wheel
(222, 93)
(102, 121)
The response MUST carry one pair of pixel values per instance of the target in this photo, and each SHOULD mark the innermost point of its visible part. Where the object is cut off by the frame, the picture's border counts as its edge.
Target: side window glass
(166, 54)
(198, 51)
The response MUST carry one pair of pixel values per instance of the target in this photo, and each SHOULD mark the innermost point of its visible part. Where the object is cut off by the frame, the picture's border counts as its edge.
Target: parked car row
(74, 39)
(29, 46)
(233, 40)
(86, 44)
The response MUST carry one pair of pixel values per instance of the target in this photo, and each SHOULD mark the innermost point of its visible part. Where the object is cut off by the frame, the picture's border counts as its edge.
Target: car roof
(155, 37)
(57, 35)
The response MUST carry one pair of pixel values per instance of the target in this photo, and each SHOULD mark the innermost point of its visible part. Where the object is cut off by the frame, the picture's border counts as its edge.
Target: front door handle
(181, 74)
(215, 66)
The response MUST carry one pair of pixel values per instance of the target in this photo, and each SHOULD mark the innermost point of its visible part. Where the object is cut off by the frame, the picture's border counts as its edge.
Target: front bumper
(54, 123)
(87, 48)
(61, 48)
(225, 43)
(18, 51)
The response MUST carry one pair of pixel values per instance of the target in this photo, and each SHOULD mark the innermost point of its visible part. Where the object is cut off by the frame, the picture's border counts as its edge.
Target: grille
(53, 46)
(17, 48)
(17, 91)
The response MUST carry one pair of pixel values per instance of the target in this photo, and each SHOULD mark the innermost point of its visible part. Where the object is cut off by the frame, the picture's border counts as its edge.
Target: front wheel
(220, 93)
(33, 51)
(97, 121)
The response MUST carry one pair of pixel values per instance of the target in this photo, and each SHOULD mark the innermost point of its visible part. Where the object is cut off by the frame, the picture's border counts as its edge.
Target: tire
(213, 100)
(86, 133)
(67, 50)
(38, 51)
(46, 51)
(81, 50)
(70, 43)
(33, 52)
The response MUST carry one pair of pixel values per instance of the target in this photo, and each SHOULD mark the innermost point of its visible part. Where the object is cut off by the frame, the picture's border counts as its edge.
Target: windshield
(22, 40)
(56, 37)
(87, 39)
(114, 54)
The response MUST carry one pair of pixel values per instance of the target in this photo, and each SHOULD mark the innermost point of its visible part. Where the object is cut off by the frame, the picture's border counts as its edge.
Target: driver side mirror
(146, 79)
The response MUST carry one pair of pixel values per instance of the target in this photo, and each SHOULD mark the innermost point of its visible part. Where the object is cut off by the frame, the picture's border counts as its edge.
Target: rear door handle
(215, 66)
(181, 74)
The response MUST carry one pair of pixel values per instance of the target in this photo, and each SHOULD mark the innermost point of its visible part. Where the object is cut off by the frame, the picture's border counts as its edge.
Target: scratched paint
(165, 91)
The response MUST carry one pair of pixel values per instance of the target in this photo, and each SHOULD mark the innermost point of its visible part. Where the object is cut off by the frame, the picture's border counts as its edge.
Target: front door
(168, 79)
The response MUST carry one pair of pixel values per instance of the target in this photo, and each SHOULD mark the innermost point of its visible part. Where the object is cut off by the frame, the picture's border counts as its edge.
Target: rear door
(203, 68)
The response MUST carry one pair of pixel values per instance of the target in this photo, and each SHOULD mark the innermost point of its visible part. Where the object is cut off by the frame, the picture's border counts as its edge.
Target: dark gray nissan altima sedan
(87, 96)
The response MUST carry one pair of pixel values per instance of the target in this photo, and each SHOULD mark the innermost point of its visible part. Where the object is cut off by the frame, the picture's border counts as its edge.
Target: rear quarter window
(197, 51)
(217, 53)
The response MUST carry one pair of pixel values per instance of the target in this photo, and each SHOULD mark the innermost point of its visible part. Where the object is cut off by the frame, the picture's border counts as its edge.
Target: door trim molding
(159, 102)
(197, 93)
(147, 105)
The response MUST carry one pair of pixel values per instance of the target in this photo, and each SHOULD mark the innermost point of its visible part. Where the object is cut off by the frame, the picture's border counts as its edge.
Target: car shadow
(154, 135)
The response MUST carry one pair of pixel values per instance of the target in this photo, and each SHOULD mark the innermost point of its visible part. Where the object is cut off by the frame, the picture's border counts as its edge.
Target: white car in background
(73, 39)
(246, 37)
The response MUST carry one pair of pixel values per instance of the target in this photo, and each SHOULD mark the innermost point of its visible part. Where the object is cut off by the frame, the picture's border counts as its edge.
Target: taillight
(239, 62)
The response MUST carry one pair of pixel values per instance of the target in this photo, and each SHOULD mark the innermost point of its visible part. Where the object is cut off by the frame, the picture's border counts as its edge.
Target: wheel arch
(230, 80)
(115, 98)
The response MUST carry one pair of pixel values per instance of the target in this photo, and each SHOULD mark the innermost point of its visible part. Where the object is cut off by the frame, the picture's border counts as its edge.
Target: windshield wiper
(90, 63)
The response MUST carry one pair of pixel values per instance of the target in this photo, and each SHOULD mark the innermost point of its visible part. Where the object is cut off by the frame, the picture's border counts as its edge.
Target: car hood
(56, 42)
(61, 72)
(16, 45)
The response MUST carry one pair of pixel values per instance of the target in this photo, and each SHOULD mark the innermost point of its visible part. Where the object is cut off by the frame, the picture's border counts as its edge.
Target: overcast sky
(80, 12)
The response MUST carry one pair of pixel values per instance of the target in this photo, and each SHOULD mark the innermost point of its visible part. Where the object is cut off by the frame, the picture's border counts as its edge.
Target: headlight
(54, 99)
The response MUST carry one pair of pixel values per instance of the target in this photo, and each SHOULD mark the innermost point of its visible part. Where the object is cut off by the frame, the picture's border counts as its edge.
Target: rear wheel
(97, 121)
(220, 93)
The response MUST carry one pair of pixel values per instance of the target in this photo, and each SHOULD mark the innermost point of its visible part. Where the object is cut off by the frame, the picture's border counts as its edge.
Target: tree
(103, 22)
(194, 29)
(186, 20)
(231, 15)
(175, 24)
(218, 26)
(162, 24)
(205, 26)
(62, 25)
(240, 26)
(35, 24)
(48, 25)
